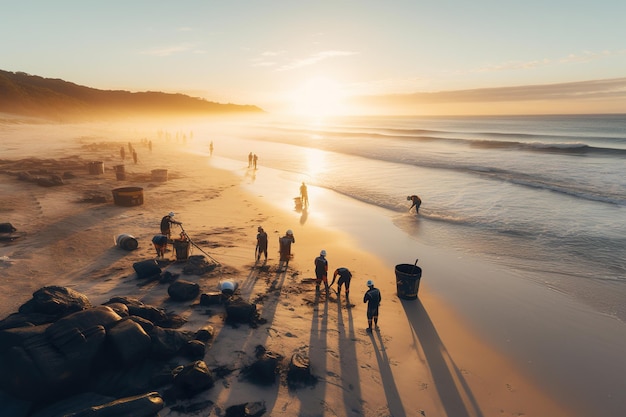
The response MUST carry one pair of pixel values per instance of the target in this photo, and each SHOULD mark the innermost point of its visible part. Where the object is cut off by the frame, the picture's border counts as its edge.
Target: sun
(318, 97)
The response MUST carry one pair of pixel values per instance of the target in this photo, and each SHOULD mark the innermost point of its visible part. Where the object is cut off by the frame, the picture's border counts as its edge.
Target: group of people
(161, 240)
(252, 160)
(372, 296)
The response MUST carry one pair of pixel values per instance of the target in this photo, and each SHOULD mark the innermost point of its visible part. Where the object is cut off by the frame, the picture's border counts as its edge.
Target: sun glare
(318, 97)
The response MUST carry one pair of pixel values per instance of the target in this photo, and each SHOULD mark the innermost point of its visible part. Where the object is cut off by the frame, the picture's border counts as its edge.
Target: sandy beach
(424, 361)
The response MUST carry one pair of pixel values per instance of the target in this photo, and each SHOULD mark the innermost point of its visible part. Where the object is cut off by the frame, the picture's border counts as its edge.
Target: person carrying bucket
(373, 298)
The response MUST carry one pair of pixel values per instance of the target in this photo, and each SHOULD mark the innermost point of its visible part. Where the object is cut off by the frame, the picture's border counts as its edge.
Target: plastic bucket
(96, 167)
(128, 196)
(126, 242)
(120, 172)
(147, 269)
(159, 175)
(182, 248)
(408, 280)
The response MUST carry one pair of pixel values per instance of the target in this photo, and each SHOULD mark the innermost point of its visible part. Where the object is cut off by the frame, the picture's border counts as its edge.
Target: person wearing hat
(166, 224)
(261, 244)
(321, 271)
(344, 278)
(284, 244)
(417, 202)
(372, 298)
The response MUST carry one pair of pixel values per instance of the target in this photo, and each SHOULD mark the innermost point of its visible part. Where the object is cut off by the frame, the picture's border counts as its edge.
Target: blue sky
(282, 54)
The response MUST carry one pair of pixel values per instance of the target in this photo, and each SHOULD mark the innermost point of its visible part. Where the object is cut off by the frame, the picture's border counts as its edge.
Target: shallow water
(545, 196)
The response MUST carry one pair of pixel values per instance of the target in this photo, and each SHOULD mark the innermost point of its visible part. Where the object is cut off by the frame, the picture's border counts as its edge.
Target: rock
(128, 341)
(166, 343)
(252, 409)
(55, 301)
(240, 311)
(182, 290)
(210, 298)
(299, 372)
(264, 370)
(194, 350)
(137, 308)
(205, 334)
(198, 265)
(147, 269)
(72, 404)
(192, 379)
(146, 405)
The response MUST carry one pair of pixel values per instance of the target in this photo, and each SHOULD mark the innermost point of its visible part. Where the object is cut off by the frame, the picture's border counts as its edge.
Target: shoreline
(424, 344)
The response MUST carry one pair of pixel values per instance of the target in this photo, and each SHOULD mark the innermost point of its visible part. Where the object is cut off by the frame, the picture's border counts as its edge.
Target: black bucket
(408, 280)
(182, 248)
(147, 269)
(126, 242)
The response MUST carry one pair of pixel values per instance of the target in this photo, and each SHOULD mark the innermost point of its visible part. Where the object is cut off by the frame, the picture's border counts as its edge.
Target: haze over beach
(508, 120)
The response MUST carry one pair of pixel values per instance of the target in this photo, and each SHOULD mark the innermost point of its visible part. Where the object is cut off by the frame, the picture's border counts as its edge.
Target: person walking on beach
(284, 244)
(261, 244)
(373, 298)
(344, 278)
(254, 159)
(166, 224)
(122, 153)
(135, 156)
(249, 159)
(417, 202)
(211, 149)
(304, 195)
(321, 271)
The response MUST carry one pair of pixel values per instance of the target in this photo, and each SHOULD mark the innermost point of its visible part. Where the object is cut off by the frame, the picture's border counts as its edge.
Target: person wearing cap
(166, 224)
(417, 202)
(321, 271)
(261, 244)
(284, 244)
(373, 298)
(344, 278)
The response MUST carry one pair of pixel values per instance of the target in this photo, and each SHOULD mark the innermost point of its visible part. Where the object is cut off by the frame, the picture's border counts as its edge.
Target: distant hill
(30, 95)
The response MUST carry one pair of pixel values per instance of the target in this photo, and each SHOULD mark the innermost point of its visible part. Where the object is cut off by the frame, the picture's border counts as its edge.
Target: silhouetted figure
(344, 278)
(284, 244)
(249, 159)
(304, 195)
(417, 202)
(261, 244)
(122, 153)
(134, 156)
(211, 148)
(373, 298)
(254, 159)
(321, 271)
(150, 146)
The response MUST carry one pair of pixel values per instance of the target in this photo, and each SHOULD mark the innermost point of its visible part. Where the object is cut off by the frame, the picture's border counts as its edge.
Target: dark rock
(210, 298)
(240, 311)
(182, 290)
(192, 379)
(146, 405)
(252, 409)
(264, 370)
(55, 301)
(194, 350)
(166, 343)
(128, 341)
(72, 404)
(198, 265)
(205, 334)
(7, 228)
(119, 308)
(299, 372)
(147, 269)
(138, 308)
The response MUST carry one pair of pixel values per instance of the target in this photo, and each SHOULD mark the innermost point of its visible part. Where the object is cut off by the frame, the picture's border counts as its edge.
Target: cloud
(169, 50)
(314, 59)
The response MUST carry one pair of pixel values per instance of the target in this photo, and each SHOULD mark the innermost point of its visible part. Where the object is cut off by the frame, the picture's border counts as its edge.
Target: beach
(427, 359)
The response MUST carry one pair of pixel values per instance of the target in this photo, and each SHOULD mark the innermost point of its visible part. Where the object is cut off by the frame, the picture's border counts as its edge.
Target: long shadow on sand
(394, 402)
(455, 395)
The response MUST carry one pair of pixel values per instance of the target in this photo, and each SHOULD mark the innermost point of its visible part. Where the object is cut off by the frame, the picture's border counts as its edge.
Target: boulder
(129, 341)
(167, 343)
(146, 405)
(138, 308)
(194, 350)
(183, 290)
(55, 301)
(240, 311)
(299, 372)
(192, 379)
(251, 409)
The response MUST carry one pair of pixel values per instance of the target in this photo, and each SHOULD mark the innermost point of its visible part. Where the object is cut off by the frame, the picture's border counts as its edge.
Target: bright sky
(318, 56)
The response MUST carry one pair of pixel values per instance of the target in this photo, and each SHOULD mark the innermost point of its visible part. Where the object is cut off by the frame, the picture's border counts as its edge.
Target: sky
(334, 57)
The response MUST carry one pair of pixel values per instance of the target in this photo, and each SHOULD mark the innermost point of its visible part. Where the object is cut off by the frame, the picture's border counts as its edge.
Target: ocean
(541, 195)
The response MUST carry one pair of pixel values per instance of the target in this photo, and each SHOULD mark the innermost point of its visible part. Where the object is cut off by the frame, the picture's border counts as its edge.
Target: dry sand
(424, 361)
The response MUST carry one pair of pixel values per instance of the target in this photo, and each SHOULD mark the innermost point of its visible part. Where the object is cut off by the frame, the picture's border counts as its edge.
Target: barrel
(126, 242)
(182, 248)
(128, 196)
(120, 172)
(96, 167)
(408, 280)
(147, 268)
(159, 175)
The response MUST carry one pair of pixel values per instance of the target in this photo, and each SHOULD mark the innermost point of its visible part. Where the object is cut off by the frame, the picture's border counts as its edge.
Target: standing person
(135, 156)
(160, 245)
(417, 202)
(150, 145)
(254, 159)
(211, 149)
(249, 159)
(344, 278)
(284, 244)
(304, 195)
(372, 298)
(122, 153)
(321, 271)
(261, 244)
(166, 224)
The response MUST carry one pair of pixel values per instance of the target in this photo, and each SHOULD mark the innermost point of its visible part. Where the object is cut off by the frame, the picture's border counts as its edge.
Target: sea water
(543, 195)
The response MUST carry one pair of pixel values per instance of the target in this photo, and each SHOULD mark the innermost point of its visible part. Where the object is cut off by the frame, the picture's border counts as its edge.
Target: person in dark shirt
(373, 298)
(261, 244)
(417, 202)
(344, 278)
(284, 245)
(166, 224)
(321, 271)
